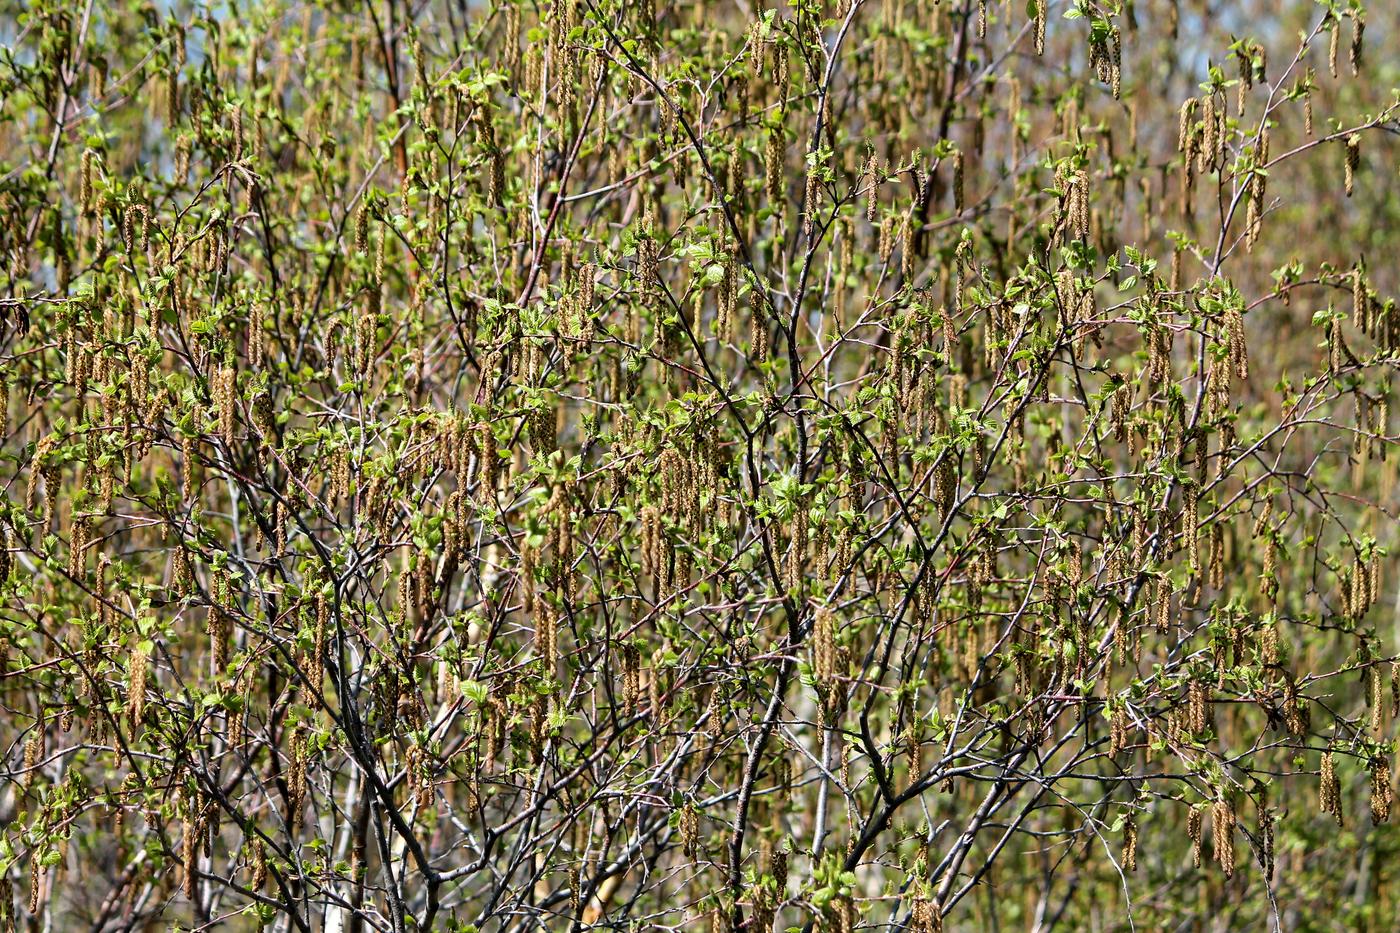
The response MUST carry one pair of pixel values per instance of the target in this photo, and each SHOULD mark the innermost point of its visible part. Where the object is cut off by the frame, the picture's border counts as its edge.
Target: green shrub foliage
(735, 466)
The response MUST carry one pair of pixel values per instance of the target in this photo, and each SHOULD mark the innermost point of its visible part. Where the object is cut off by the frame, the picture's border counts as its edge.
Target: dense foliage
(620, 464)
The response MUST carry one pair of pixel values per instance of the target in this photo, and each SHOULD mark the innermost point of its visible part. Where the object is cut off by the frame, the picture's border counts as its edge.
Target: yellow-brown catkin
(1118, 730)
(758, 330)
(958, 198)
(631, 676)
(33, 748)
(296, 775)
(1374, 703)
(362, 228)
(773, 166)
(925, 916)
(1194, 819)
(136, 683)
(189, 852)
(1353, 160)
(547, 638)
(1198, 706)
(36, 884)
(1333, 45)
(85, 185)
(1190, 529)
(318, 649)
(1308, 103)
(1222, 834)
(1329, 788)
(1358, 28)
(224, 401)
(824, 670)
(259, 860)
(690, 830)
(869, 180)
(1382, 793)
(1184, 124)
